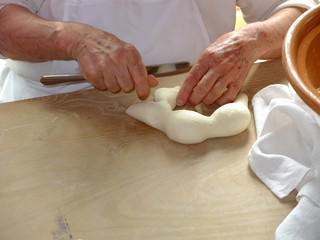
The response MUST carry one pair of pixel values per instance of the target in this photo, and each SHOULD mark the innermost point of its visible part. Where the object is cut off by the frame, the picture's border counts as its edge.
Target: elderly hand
(109, 63)
(104, 60)
(218, 74)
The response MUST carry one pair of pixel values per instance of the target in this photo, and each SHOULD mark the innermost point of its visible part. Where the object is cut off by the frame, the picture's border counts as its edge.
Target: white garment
(3, 72)
(161, 30)
(286, 156)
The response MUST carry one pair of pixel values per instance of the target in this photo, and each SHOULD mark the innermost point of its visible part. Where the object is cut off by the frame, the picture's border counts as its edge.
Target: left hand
(220, 71)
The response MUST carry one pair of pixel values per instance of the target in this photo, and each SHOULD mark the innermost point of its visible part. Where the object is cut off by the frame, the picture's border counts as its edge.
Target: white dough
(186, 126)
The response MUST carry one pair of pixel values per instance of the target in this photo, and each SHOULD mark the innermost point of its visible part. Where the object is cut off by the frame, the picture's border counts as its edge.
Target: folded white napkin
(286, 156)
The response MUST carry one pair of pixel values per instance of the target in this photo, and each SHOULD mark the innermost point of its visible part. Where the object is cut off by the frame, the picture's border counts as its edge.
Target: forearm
(103, 59)
(25, 36)
(271, 32)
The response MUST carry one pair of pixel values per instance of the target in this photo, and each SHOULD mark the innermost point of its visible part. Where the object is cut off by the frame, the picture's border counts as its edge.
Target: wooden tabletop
(75, 166)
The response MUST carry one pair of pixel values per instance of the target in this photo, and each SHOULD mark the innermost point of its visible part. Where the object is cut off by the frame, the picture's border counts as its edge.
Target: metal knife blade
(161, 70)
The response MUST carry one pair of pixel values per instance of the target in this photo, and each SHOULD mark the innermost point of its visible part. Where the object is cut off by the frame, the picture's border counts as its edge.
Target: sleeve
(31, 5)
(259, 10)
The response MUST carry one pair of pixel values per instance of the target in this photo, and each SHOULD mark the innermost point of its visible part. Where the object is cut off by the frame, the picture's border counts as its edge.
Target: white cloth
(258, 10)
(286, 156)
(3, 72)
(161, 30)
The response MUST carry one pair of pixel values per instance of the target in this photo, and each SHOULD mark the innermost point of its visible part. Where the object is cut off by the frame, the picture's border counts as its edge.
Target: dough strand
(190, 127)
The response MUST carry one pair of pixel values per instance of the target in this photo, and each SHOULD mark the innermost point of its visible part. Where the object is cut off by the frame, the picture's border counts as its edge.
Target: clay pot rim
(303, 87)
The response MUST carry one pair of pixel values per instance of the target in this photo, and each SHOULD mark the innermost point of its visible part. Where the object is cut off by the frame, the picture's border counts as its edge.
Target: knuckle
(226, 98)
(194, 101)
(128, 87)
(235, 85)
(114, 89)
(210, 98)
(95, 80)
(129, 50)
(207, 101)
(196, 73)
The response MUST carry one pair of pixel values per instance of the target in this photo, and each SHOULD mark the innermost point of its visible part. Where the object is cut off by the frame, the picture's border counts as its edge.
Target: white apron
(161, 30)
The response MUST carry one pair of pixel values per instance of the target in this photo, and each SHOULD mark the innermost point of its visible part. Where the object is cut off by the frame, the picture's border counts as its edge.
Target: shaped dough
(186, 126)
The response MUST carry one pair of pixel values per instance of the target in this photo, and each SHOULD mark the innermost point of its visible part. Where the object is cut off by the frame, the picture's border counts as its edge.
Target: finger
(139, 75)
(216, 91)
(203, 87)
(124, 80)
(111, 82)
(152, 81)
(88, 71)
(229, 96)
(234, 86)
(96, 80)
(185, 91)
(191, 81)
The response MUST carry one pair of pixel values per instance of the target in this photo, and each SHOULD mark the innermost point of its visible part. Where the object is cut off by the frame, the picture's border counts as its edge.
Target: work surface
(75, 166)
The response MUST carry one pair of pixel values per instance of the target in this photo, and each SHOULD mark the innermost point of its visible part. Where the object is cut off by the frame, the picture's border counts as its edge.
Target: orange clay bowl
(301, 57)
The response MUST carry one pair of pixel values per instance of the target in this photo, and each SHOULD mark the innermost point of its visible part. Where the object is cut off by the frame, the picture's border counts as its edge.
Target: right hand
(109, 63)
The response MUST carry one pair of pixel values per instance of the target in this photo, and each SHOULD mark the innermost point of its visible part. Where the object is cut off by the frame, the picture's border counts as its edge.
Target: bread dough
(189, 127)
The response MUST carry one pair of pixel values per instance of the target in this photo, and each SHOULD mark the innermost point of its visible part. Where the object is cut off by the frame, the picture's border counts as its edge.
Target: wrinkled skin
(219, 73)
(104, 60)
(109, 63)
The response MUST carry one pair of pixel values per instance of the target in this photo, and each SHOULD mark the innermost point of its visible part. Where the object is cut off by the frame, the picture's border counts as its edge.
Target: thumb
(152, 81)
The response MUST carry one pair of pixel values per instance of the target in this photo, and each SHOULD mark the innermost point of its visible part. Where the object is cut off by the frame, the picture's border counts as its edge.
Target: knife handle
(56, 79)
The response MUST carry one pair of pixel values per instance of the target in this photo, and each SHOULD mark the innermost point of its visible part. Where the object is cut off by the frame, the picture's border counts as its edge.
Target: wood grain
(75, 166)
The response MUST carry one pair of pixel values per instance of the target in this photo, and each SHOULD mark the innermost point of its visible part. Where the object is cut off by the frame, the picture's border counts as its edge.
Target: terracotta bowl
(301, 57)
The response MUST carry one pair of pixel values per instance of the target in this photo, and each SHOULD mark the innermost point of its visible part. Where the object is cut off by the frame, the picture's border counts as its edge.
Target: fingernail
(180, 102)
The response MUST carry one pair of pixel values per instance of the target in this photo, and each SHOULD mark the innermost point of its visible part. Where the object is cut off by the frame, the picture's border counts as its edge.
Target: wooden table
(75, 166)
